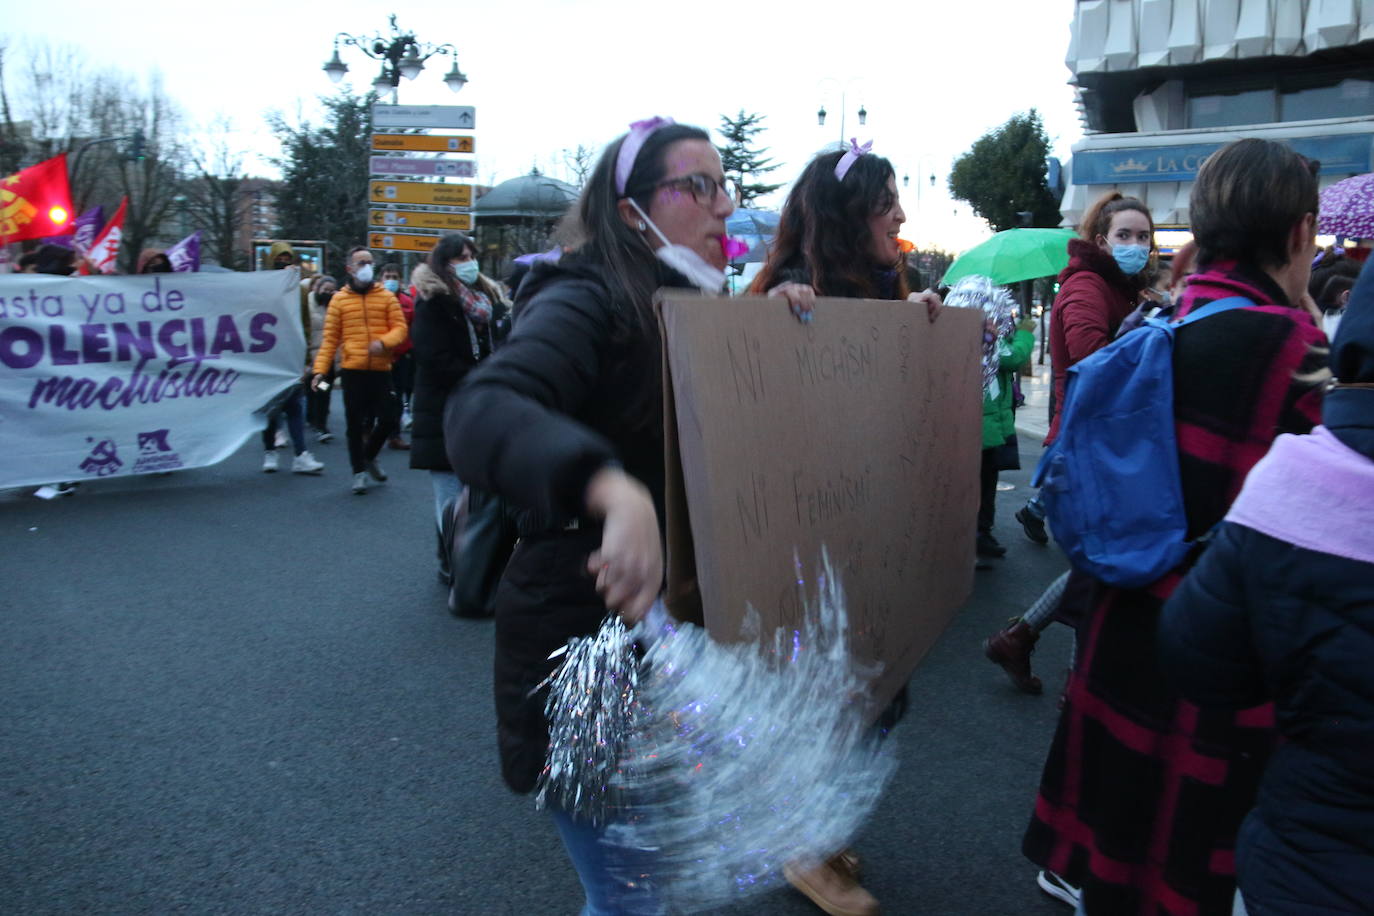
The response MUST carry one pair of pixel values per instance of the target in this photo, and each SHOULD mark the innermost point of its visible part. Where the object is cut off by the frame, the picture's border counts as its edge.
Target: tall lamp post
(401, 54)
(922, 176)
(844, 108)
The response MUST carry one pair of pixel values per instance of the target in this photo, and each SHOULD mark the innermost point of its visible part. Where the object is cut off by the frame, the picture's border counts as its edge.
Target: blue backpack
(1110, 482)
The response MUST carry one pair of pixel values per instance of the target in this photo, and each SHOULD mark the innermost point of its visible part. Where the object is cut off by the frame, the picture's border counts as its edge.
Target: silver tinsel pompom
(978, 292)
(743, 758)
(592, 697)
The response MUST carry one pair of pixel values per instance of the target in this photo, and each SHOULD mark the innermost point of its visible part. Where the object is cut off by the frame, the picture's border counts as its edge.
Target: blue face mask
(466, 271)
(391, 285)
(1131, 258)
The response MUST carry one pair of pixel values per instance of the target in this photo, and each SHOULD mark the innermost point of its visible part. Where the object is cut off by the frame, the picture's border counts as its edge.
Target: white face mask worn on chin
(684, 260)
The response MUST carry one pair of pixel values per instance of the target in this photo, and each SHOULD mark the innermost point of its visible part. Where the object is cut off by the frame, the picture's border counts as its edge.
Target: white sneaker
(360, 483)
(269, 462)
(282, 440)
(306, 463)
(1058, 888)
(376, 471)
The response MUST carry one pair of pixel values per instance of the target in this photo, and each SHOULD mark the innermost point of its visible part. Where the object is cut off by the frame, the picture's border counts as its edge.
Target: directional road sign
(449, 116)
(420, 219)
(395, 165)
(396, 241)
(423, 143)
(420, 192)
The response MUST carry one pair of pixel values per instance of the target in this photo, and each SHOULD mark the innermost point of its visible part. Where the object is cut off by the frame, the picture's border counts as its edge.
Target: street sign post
(396, 241)
(420, 192)
(420, 219)
(423, 143)
(444, 116)
(395, 165)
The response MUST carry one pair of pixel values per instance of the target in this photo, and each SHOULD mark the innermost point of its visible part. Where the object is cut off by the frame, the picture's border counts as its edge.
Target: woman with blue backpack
(1143, 792)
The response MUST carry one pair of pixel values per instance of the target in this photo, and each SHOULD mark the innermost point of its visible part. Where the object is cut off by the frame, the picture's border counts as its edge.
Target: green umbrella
(1014, 254)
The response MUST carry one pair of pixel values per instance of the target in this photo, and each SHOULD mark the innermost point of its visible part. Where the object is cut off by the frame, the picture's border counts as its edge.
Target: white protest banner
(106, 376)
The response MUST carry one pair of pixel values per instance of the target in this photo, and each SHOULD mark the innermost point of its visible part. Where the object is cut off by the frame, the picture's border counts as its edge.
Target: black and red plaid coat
(1142, 793)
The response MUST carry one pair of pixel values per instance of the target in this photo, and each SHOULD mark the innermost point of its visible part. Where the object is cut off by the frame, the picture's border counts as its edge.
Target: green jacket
(999, 421)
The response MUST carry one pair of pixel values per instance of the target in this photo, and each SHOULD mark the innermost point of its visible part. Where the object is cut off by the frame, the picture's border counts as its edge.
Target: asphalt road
(232, 692)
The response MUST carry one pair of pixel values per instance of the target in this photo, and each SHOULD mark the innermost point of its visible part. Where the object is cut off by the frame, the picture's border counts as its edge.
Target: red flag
(105, 248)
(36, 202)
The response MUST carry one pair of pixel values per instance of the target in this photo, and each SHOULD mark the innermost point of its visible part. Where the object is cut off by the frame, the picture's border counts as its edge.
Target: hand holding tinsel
(713, 765)
(1000, 308)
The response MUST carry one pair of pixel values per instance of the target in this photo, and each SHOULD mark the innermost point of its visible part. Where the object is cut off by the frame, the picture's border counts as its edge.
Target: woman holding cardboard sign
(838, 237)
(566, 422)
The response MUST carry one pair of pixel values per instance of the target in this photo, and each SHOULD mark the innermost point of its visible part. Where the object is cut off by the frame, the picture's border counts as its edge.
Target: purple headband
(850, 157)
(629, 149)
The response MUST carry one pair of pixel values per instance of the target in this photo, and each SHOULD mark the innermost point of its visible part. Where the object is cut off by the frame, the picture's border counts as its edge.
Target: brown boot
(832, 888)
(1011, 648)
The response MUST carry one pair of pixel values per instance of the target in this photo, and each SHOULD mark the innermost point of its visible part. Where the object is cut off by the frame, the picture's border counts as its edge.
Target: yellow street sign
(419, 219)
(423, 143)
(395, 241)
(420, 192)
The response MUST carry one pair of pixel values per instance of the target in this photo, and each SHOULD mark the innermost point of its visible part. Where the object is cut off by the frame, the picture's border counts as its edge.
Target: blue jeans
(606, 894)
(293, 408)
(446, 489)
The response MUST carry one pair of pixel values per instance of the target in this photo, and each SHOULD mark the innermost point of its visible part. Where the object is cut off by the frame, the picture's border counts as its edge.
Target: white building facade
(1164, 83)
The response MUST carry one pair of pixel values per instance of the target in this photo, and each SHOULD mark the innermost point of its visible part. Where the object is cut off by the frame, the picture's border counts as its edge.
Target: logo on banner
(103, 460)
(15, 211)
(155, 454)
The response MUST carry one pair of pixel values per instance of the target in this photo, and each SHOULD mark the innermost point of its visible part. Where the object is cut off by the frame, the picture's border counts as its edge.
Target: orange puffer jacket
(355, 320)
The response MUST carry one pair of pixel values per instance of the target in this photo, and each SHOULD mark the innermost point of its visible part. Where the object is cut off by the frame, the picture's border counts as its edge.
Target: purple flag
(185, 254)
(85, 227)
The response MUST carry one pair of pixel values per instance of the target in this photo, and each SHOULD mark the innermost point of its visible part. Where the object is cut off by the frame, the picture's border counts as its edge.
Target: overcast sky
(547, 75)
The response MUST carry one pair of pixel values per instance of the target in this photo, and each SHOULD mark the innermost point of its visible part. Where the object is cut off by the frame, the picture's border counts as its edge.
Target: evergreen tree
(740, 161)
(1005, 172)
(324, 170)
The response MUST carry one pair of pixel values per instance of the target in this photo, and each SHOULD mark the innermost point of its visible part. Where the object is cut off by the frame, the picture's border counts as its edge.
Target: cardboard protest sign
(860, 432)
(105, 376)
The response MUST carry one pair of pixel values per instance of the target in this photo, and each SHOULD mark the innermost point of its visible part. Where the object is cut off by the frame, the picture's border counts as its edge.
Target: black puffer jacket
(1261, 617)
(446, 346)
(560, 400)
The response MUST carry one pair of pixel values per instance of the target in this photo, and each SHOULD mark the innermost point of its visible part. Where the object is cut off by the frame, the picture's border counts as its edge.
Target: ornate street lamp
(401, 54)
(844, 88)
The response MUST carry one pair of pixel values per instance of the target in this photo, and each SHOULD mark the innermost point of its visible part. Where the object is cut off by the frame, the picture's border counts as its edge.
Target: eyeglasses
(703, 188)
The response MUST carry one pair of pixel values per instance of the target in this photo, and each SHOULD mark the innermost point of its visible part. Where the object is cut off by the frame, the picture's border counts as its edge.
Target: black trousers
(372, 412)
(403, 376)
(317, 405)
(987, 490)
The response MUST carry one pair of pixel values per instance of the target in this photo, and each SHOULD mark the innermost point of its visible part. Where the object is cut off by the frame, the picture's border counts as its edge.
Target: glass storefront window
(1248, 106)
(1346, 99)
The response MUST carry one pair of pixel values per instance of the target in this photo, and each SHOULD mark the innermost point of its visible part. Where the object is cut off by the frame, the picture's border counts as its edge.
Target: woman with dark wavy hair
(837, 236)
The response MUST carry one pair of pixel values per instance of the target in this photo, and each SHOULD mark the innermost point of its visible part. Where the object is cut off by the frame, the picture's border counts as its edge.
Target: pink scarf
(1312, 491)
